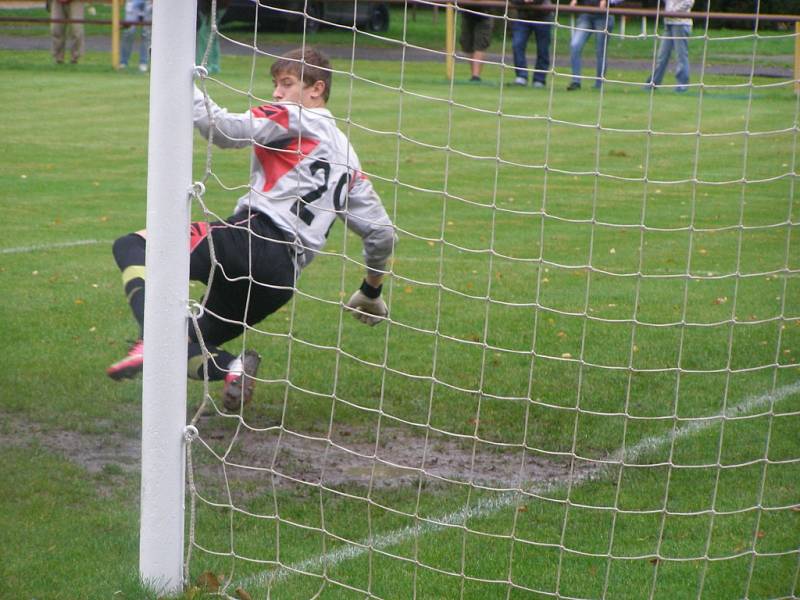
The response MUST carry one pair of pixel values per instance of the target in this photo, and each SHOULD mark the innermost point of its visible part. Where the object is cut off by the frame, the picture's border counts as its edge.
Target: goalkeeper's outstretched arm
(366, 216)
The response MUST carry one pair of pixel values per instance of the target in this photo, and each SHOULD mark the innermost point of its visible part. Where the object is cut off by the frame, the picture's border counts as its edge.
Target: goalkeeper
(304, 174)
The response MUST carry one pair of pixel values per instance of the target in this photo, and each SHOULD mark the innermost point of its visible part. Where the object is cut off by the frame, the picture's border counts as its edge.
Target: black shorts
(254, 271)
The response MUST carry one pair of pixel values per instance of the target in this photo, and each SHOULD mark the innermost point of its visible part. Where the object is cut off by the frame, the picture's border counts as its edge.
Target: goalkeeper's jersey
(304, 174)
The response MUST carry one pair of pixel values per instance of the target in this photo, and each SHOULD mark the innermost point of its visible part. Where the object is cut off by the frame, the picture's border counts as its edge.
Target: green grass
(587, 271)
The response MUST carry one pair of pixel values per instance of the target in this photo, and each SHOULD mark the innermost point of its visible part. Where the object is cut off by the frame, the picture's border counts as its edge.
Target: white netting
(587, 385)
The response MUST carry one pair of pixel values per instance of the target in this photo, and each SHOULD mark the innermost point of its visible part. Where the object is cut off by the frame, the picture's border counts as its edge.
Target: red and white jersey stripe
(304, 174)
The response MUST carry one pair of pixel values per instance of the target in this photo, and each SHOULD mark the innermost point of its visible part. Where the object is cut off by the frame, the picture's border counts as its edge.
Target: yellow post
(797, 57)
(450, 41)
(115, 33)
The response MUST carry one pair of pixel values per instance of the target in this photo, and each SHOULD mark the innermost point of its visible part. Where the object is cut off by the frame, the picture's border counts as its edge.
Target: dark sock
(129, 252)
(217, 363)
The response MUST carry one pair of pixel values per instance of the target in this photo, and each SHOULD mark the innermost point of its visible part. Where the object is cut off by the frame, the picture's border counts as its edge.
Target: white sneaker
(538, 84)
(520, 81)
(143, 68)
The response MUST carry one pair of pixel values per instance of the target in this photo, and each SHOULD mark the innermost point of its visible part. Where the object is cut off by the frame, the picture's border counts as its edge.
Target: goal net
(587, 383)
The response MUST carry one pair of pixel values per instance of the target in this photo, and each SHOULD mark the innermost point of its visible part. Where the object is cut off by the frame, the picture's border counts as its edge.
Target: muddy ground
(255, 461)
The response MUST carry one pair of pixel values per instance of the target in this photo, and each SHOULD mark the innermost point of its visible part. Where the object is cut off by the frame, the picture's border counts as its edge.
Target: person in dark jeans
(540, 24)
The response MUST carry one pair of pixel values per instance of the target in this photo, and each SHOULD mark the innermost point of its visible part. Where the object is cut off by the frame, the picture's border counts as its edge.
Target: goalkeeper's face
(288, 87)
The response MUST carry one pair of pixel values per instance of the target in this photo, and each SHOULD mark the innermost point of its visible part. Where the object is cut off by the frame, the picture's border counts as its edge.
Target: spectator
(476, 35)
(138, 11)
(61, 10)
(204, 33)
(600, 24)
(540, 23)
(676, 33)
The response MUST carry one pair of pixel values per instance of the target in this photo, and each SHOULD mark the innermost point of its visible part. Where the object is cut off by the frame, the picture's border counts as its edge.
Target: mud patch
(94, 452)
(236, 464)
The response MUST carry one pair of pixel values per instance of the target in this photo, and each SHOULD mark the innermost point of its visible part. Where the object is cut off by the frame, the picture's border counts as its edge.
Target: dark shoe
(475, 79)
(240, 381)
(573, 86)
(130, 366)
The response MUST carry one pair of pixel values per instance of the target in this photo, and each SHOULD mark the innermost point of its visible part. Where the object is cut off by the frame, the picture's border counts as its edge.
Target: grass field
(564, 296)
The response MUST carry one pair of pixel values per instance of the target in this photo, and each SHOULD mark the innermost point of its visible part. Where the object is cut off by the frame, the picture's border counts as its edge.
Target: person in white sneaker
(304, 175)
(526, 22)
(139, 15)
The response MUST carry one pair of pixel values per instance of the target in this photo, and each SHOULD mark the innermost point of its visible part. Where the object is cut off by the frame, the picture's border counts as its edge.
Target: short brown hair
(308, 63)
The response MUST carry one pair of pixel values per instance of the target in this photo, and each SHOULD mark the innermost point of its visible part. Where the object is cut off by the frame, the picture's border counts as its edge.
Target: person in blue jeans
(676, 33)
(136, 11)
(540, 23)
(599, 24)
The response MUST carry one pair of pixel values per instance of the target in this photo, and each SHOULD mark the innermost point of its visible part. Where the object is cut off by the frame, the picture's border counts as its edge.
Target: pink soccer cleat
(130, 366)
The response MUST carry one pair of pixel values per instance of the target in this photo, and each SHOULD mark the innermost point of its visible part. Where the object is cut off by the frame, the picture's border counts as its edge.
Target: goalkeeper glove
(367, 305)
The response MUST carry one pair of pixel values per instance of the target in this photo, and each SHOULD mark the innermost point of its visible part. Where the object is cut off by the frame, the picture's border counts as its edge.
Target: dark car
(288, 15)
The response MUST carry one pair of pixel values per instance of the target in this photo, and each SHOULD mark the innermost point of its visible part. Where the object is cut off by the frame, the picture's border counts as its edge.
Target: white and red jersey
(304, 173)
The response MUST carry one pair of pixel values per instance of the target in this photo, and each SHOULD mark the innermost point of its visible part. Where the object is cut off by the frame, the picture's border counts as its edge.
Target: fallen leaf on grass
(208, 581)
(242, 594)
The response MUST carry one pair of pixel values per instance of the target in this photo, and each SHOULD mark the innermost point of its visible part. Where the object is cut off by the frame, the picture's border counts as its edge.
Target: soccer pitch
(546, 323)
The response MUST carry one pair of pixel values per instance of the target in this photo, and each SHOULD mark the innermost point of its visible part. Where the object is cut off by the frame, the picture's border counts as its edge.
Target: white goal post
(161, 544)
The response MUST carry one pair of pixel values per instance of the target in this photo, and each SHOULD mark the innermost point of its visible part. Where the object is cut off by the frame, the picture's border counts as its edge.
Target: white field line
(484, 508)
(54, 246)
